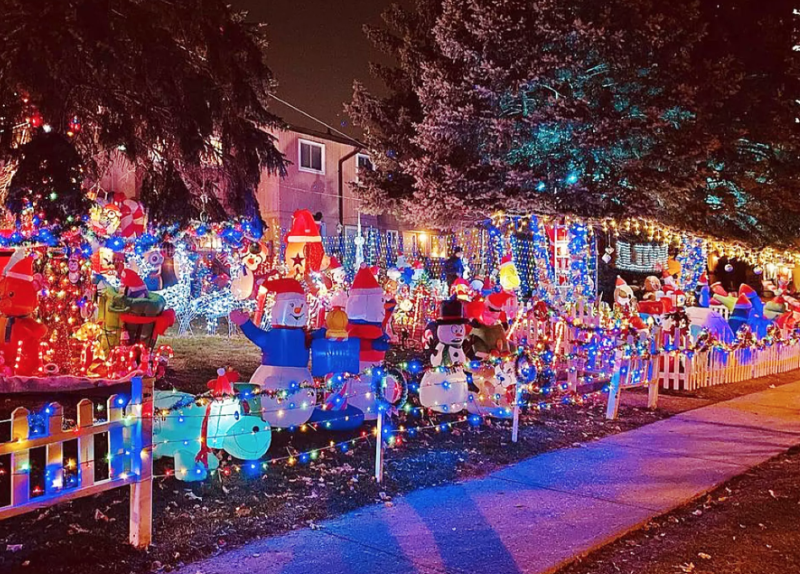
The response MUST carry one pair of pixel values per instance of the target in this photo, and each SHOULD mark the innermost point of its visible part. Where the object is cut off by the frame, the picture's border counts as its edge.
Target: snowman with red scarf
(284, 359)
(367, 320)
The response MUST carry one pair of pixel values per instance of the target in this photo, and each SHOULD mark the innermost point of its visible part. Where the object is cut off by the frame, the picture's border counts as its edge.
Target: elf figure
(366, 314)
(446, 390)
(21, 333)
(284, 361)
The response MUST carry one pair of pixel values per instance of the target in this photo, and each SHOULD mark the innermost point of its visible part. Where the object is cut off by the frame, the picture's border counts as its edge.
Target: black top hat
(452, 313)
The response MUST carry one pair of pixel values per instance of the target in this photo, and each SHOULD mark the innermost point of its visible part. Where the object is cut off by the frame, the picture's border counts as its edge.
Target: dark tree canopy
(179, 87)
(624, 107)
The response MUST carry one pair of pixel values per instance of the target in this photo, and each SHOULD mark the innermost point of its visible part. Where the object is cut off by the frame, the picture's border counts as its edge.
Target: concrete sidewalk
(543, 512)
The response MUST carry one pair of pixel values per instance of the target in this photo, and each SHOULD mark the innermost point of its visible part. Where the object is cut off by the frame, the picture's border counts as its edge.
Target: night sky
(317, 49)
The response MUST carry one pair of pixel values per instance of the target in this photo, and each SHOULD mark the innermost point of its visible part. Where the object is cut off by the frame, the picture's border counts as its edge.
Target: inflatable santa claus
(366, 322)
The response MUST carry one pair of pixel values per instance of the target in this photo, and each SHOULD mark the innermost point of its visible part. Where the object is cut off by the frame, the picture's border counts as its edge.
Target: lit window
(312, 157)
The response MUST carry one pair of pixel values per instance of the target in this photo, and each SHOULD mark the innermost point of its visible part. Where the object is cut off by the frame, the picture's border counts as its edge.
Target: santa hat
(461, 284)
(132, 282)
(620, 282)
(703, 280)
(304, 228)
(717, 289)
(495, 301)
(365, 282)
(417, 266)
(285, 288)
(506, 260)
(334, 264)
(742, 304)
(19, 267)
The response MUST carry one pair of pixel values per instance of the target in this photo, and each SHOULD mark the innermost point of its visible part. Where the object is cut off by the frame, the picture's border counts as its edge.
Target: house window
(312, 157)
(363, 163)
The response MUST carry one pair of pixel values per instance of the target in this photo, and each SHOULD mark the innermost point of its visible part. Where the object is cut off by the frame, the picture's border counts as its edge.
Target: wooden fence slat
(54, 475)
(141, 503)
(20, 460)
(86, 443)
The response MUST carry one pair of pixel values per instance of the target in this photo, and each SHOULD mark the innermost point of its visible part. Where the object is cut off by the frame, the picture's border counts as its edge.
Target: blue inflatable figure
(333, 355)
(288, 399)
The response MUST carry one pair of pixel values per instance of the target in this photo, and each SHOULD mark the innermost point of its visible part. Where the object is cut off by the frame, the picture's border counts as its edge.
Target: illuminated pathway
(545, 511)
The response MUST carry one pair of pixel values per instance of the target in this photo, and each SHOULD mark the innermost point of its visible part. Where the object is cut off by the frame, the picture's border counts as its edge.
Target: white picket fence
(718, 367)
(128, 425)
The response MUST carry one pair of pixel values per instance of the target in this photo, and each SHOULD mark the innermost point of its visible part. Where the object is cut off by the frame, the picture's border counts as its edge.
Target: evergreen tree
(178, 87)
(597, 109)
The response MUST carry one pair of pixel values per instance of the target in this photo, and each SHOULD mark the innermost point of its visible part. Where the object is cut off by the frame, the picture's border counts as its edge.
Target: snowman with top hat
(444, 388)
(283, 374)
(367, 319)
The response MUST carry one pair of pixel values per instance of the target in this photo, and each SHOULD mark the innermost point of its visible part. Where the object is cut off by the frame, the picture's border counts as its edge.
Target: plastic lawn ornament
(284, 356)
(304, 250)
(444, 387)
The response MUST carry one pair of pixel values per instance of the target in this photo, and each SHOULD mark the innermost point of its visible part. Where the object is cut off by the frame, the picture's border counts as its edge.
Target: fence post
(614, 387)
(141, 504)
(379, 448)
(20, 460)
(515, 425)
(55, 451)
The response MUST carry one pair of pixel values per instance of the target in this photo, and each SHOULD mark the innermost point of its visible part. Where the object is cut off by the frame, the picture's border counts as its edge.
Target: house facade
(321, 172)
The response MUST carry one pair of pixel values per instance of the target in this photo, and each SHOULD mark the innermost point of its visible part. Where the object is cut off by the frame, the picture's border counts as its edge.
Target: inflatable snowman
(232, 424)
(366, 314)
(444, 387)
(284, 358)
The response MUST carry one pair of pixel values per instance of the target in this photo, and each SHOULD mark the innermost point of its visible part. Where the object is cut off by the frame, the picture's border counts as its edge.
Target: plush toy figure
(446, 391)
(366, 314)
(304, 250)
(22, 334)
(625, 303)
(652, 289)
(509, 278)
(284, 355)
(232, 424)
